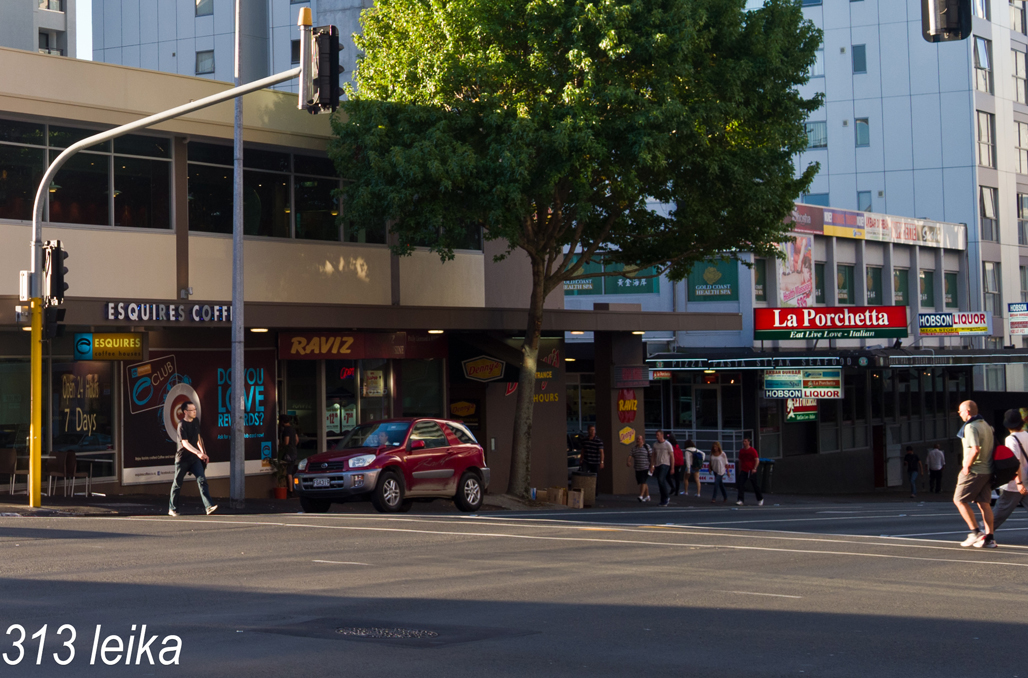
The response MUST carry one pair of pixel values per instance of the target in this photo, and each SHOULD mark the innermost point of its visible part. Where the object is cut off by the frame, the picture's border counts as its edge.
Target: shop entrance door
(706, 408)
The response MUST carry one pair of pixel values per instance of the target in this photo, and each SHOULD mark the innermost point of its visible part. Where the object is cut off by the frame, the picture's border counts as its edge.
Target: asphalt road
(827, 589)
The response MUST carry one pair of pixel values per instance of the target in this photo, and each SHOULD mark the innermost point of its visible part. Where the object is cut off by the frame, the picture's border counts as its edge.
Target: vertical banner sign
(155, 392)
(1018, 318)
(796, 284)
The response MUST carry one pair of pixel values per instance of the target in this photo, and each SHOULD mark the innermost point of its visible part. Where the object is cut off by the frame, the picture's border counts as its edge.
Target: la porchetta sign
(830, 322)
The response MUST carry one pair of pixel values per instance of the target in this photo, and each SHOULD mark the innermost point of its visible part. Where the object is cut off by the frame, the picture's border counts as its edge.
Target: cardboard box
(557, 495)
(542, 495)
(576, 499)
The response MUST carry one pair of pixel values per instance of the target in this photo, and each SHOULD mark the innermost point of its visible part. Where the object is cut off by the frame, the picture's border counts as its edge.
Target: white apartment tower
(46, 26)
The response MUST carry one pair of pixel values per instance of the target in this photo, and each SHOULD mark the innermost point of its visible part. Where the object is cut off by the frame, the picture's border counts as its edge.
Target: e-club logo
(147, 382)
(83, 347)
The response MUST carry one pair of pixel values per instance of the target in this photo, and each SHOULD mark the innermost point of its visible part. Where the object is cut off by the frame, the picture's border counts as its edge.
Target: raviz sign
(830, 322)
(823, 384)
(954, 324)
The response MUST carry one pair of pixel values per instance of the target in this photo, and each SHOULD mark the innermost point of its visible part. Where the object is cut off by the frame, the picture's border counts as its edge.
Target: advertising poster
(1018, 319)
(796, 285)
(807, 384)
(155, 391)
(714, 281)
(707, 477)
(954, 324)
(830, 322)
(800, 409)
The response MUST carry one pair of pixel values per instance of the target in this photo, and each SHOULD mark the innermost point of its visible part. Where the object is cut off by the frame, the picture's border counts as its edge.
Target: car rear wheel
(469, 493)
(388, 494)
(314, 505)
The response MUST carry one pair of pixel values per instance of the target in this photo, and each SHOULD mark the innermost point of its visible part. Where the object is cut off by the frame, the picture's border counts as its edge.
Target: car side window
(463, 436)
(429, 432)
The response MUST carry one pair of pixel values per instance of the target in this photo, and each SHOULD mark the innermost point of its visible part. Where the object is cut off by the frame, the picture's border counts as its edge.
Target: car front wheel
(388, 494)
(469, 495)
(314, 505)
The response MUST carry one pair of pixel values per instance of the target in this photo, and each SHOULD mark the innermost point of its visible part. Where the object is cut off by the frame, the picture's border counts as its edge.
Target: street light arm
(51, 171)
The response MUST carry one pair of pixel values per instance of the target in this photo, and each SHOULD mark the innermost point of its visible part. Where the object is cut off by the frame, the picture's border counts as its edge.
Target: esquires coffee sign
(850, 322)
(358, 345)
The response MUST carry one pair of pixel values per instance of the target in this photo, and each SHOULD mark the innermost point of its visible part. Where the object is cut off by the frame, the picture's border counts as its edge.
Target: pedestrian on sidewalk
(678, 476)
(1014, 493)
(936, 462)
(914, 469)
(696, 459)
(688, 453)
(190, 457)
(640, 459)
(973, 483)
(592, 452)
(745, 472)
(718, 465)
(663, 465)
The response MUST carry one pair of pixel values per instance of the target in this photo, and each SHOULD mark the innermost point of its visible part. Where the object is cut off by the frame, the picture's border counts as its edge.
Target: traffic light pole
(36, 279)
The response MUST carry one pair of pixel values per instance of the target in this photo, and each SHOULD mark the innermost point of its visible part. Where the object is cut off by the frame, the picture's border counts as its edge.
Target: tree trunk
(521, 450)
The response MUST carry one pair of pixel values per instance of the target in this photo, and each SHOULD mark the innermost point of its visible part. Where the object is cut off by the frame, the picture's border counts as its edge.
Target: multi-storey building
(47, 26)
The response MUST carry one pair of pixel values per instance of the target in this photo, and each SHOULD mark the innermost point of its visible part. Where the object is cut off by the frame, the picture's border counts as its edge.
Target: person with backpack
(974, 481)
(689, 455)
(640, 460)
(680, 468)
(695, 467)
(1014, 493)
(718, 467)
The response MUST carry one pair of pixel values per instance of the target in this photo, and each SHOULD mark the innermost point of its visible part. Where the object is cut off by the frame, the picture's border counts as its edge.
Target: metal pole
(237, 467)
(36, 282)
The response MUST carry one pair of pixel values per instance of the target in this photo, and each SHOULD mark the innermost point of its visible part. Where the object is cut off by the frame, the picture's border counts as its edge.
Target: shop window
(573, 405)
(901, 287)
(82, 396)
(731, 402)
(819, 283)
(14, 408)
(421, 388)
(588, 403)
(874, 286)
(915, 393)
(654, 405)
(889, 395)
(877, 395)
(845, 281)
(760, 280)
(301, 399)
(340, 397)
(903, 393)
(927, 292)
(950, 285)
(375, 380)
(681, 405)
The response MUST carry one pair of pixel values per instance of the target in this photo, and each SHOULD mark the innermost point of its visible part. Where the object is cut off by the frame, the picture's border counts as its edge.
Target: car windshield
(390, 433)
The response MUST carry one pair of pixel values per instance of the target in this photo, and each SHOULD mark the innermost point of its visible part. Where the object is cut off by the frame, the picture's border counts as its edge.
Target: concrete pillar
(612, 350)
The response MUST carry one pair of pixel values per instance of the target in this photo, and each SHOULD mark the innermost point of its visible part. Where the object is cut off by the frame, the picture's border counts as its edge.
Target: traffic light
(52, 316)
(326, 78)
(54, 271)
(944, 20)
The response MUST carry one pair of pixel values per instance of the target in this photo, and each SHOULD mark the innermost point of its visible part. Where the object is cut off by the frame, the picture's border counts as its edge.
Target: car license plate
(321, 482)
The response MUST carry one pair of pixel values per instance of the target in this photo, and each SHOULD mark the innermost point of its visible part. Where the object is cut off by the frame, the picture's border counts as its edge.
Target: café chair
(9, 465)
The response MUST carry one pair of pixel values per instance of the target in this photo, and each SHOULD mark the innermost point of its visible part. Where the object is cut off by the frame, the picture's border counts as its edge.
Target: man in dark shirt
(191, 457)
(592, 452)
(746, 472)
(914, 469)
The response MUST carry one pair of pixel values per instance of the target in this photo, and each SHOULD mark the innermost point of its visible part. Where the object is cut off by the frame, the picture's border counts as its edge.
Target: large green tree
(556, 126)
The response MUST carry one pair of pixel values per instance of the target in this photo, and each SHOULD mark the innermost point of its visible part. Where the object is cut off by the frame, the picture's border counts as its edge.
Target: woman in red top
(679, 474)
(746, 472)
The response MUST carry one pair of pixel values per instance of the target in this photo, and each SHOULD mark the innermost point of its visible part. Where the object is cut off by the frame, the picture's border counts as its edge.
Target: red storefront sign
(628, 405)
(831, 322)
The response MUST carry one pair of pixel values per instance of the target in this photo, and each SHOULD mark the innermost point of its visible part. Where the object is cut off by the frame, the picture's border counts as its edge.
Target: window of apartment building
(983, 65)
(986, 139)
(81, 192)
(817, 69)
(874, 286)
(987, 213)
(1022, 147)
(760, 280)
(1020, 77)
(926, 283)
(52, 5)
(1023, 270)
(817, 134)
(864, 201)
(1022, 219)
(1017, 17)
(991, 288)
(204, 7)
(294, 52)
(863, 132)
(811, 3)
(900, 287)
(283, 194)
(859, 58)
(949, 290)
(844, 278)
(819, 283)
(205, 62)
(815, 199)
(981, 9)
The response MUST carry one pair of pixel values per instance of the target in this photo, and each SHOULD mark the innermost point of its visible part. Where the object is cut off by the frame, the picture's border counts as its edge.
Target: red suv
(394, 462)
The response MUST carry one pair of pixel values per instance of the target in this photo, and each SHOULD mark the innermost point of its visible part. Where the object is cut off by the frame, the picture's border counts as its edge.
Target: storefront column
(615, 350)
(319, 408)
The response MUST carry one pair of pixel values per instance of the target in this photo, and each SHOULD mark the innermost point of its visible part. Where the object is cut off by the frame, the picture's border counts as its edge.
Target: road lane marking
(339, 562)
(591, 540)
(752, 593)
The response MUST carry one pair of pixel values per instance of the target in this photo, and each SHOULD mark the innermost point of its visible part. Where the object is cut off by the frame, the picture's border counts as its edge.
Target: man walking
(914, 469)
(1014, 493)
(663, 466)
(746, 471)
(592, 452)
(641, 461)
(973, 484)
(936, 462)
(191, 457)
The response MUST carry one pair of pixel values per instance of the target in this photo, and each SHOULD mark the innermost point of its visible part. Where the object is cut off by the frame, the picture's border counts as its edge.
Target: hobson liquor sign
(830, 322)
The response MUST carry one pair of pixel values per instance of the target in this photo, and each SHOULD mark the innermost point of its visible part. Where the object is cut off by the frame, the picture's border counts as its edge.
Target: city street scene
(480, 337)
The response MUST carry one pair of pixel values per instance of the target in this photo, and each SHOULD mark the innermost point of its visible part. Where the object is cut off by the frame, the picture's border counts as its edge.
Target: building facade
(46, 26)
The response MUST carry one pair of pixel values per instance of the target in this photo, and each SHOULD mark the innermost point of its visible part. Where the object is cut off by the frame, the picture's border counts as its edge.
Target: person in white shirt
(936, 462)
(1014, 493)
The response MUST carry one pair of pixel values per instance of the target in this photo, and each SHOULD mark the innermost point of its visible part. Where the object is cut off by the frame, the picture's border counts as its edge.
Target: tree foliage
(557, 126)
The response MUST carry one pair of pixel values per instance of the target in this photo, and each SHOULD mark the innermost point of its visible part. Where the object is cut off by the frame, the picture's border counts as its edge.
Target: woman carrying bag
(718, 467)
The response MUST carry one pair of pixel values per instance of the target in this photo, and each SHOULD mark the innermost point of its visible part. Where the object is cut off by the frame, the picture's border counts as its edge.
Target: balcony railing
(52, 5)
(55, 52)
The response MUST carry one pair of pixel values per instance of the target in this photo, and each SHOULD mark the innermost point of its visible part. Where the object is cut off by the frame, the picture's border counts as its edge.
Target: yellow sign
(462, 409)
(109, 346)
(484, 368)
(626, 435)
